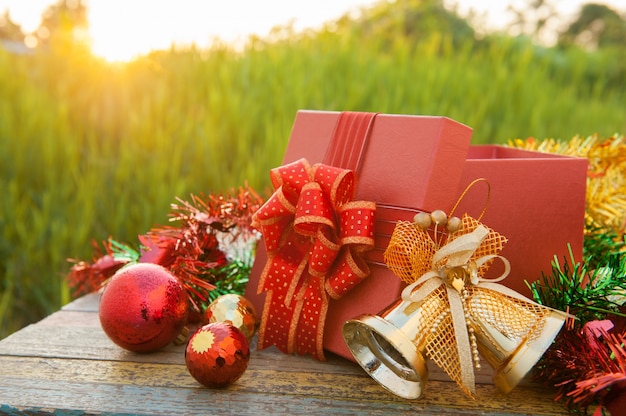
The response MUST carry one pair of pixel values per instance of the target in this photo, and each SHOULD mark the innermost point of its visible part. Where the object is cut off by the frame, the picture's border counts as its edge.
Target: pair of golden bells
(449, 312)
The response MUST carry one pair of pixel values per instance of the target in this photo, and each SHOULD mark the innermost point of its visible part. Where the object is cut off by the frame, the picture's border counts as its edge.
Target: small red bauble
(234, 309)
(217, 354)
(143, 307)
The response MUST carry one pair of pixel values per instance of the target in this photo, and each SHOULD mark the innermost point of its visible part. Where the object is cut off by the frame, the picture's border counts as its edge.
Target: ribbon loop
(314, 210)
(294, 175)
(459, 251)
(357, 223)
(339, 184)
(323, 253)
(347, 273)
(274, 216)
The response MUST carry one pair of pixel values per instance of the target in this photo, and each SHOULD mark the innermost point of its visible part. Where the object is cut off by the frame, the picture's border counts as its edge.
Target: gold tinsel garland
(606, 177)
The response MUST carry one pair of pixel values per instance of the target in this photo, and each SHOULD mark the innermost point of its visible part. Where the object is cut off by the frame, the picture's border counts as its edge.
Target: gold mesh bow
(461, 308)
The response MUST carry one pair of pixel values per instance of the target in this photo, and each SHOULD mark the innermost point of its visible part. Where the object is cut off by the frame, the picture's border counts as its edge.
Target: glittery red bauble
(217, 354)
(143, 307)
(234, 309)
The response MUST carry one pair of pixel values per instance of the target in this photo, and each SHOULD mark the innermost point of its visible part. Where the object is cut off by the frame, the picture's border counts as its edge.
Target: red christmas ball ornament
(217, 354)
(143, 307)
(234, 309)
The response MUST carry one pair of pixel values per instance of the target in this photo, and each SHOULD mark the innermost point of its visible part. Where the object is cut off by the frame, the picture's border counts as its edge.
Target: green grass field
(90, 150)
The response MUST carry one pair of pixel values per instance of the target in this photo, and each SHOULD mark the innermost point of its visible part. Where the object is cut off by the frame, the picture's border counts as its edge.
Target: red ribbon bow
(315, 236)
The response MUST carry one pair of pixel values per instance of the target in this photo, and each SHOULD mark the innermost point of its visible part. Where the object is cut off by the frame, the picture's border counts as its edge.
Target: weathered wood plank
(27, 373)
(88, 341)
(72, 319)
(172, 401)
(87, 303)
(92, 343)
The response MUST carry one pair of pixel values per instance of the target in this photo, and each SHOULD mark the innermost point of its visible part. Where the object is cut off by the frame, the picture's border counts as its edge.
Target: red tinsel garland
(86, 277)
(190, 250)
(587, 366)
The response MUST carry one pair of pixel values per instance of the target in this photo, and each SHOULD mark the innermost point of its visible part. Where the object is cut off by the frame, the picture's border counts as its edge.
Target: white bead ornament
(454, 224)
(422, 220)
(439, 217)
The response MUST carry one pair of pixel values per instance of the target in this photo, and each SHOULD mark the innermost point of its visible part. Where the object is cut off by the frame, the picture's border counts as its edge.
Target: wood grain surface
(65, 364)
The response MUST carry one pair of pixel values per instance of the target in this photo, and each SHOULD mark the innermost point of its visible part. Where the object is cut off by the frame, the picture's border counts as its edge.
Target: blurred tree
(597, 26)
(66, 20)
(417, 19)
(9, 30)
(533, 19)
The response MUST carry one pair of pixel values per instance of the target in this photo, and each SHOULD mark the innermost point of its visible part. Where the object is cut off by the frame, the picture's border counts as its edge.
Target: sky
(122, 29)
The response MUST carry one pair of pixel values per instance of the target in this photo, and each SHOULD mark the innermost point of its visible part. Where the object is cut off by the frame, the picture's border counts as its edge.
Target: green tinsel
(592, 289)
(124, 252)
(232, 278)
(601, 246)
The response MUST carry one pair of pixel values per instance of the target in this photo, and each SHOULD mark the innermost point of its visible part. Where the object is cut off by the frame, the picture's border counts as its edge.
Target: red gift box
(537, 201)
(408, 164)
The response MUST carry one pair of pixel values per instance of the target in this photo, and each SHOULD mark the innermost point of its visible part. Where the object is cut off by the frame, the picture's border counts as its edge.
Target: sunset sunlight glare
(121, 30)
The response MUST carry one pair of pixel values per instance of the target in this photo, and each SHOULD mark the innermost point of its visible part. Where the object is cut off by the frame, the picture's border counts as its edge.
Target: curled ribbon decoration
(458, 302)
(315, 236)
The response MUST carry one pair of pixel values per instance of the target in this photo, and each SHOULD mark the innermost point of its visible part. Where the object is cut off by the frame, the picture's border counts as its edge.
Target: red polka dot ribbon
(315, 235)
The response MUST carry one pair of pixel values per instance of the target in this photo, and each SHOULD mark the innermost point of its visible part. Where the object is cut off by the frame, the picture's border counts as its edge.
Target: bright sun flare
(121, 30)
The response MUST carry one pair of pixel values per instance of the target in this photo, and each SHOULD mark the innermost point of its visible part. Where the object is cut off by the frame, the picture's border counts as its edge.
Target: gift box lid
(408, 161)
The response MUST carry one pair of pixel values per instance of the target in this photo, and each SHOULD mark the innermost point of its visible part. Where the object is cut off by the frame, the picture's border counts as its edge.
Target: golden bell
(512, 334)
(390, 346)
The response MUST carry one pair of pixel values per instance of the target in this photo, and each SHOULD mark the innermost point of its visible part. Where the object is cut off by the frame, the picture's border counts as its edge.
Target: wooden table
(65, 364)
